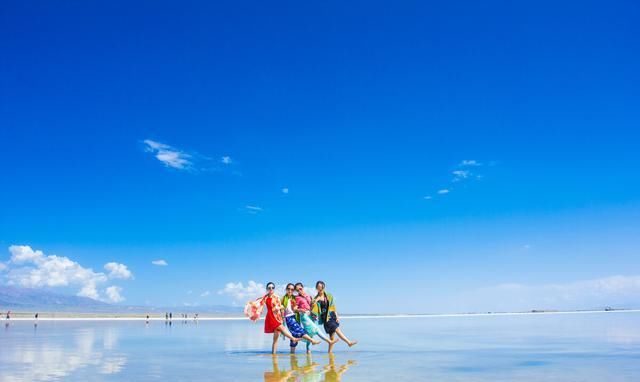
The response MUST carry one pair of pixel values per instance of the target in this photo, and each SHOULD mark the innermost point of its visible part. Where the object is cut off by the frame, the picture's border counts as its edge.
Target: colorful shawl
(253, 309)
(317, 312)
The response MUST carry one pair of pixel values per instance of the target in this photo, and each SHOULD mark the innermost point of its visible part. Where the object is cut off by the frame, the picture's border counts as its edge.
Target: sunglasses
(271, 287)
(289, 288)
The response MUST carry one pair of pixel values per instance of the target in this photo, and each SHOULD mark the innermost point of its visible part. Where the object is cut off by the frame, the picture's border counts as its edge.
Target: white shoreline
(345, 317)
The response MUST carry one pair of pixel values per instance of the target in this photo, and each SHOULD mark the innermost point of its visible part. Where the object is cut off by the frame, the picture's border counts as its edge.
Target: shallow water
(569, 347)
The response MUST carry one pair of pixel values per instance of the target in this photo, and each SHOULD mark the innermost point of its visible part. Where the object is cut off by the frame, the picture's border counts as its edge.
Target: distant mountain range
(30, 299)
(27, 299)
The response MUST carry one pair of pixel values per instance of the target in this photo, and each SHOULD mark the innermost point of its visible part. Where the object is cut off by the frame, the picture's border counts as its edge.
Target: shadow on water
(303, 368)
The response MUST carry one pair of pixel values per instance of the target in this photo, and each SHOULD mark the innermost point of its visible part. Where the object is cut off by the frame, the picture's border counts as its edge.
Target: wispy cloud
(459, 175)
(33, 269)
(160, 262)
(189, 161)
(170, 156)
(253, 209)
(470, 162)
(205, 293)
(241, 293)
(464, 171)
(285, 190)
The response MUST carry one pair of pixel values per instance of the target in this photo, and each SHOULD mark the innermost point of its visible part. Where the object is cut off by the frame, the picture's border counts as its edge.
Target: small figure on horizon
(8, 314)
(166, 316)
(170, 316)
(36, 316)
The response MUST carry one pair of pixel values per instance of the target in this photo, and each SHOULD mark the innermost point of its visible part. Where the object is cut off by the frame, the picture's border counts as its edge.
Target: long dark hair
(320, 282)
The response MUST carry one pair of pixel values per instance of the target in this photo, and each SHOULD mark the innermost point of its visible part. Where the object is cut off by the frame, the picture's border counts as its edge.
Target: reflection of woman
(288, 304)
(277, 375)
(333, 373)
(306, 373)
(273, 319)
(303, 307)
(325, 310)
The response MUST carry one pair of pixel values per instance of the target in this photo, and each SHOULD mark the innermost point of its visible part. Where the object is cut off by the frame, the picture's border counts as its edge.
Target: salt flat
(525, 347)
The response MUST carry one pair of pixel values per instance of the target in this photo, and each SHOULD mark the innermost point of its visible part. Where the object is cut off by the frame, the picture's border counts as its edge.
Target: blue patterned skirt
(295, 328)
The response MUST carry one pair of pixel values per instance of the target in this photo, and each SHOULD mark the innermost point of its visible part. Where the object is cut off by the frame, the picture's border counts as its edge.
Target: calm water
(576, 347)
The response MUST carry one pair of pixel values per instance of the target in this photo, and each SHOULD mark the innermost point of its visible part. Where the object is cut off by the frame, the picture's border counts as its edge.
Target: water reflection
(57, 358)
(304, 369)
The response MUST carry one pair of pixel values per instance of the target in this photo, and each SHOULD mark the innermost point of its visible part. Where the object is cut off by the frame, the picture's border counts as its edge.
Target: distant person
(325, 310)
(36, 316)
(8, 314)
(166, 316)
(170, 316)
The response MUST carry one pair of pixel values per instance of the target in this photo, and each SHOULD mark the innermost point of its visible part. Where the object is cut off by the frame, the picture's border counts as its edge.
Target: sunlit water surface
(569, 347)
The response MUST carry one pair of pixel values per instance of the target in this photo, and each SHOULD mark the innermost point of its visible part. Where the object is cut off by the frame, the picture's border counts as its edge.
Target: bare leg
(306, 337)
(332, 342)
(286, 333)
(274, 345)
(344, 338)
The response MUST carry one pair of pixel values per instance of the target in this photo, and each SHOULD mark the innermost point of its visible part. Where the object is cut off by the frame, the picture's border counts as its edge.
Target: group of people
(298, 316)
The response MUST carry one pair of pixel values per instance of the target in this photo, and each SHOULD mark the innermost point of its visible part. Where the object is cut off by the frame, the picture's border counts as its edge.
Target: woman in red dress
(273, 320)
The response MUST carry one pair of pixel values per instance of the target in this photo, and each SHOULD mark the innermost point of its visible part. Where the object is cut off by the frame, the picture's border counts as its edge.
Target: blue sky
(161, 131)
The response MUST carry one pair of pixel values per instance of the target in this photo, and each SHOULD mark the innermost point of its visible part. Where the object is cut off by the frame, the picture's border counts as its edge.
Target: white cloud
(226, 159)
(24, 254)
(3, 266)
(113, 293)
(205, 293)
(118, 271)
(428, 197)
(459, 175)
(170, 156)
(470, 162)
(444, 191)
(285, 190)
(240, 293)
(160, 262)
(253, 209)
(33, 269)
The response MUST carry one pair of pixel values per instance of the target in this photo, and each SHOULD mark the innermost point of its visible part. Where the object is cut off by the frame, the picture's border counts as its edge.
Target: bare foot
(352, 343)
(315, 342)
(334, 341)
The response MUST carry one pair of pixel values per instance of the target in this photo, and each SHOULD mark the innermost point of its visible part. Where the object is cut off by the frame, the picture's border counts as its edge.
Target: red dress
(272, 320)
